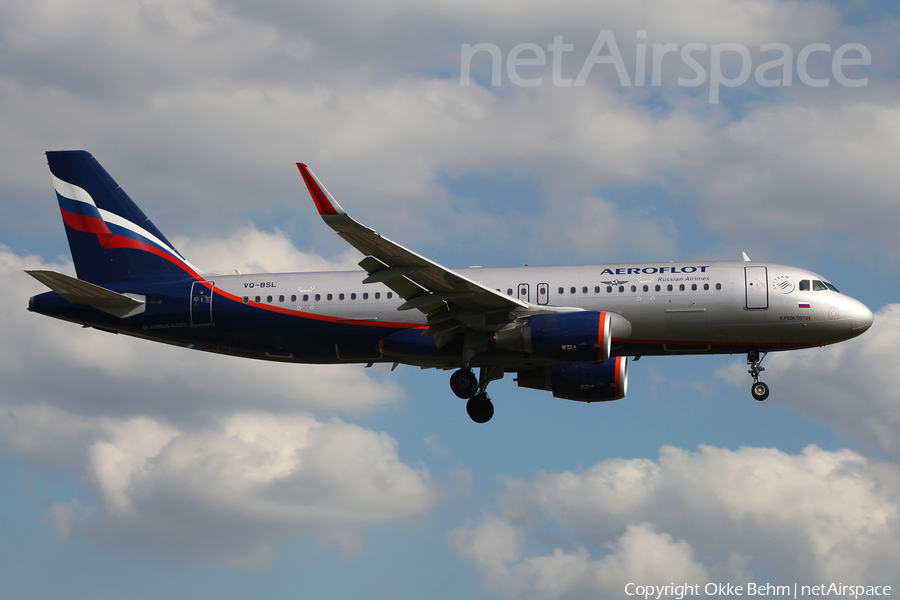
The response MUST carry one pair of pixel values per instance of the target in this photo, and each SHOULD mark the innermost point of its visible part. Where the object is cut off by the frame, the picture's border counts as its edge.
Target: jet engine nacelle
(571, 337)
(586, 383)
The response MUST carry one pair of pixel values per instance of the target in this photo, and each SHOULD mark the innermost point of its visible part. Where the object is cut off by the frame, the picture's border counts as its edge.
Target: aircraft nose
(861, 318)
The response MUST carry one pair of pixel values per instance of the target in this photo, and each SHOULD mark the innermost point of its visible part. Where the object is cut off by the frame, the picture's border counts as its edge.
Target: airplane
(569, 330)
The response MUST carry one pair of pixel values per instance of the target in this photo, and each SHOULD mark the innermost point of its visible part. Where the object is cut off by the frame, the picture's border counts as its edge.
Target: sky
(493, 134)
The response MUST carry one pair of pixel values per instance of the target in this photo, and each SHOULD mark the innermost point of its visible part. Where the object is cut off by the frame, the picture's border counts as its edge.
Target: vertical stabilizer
(110, 238)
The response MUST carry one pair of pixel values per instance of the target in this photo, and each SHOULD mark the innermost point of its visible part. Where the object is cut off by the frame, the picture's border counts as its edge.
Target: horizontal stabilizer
(77, 291)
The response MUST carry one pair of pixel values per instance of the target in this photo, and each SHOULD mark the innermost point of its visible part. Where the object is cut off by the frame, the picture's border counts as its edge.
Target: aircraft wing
(446, 297)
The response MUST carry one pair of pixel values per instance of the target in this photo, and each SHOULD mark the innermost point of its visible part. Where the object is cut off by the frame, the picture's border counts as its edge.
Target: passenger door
(757, 287)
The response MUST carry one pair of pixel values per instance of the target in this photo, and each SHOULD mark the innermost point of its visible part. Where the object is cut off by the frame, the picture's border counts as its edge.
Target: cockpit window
(817, 286)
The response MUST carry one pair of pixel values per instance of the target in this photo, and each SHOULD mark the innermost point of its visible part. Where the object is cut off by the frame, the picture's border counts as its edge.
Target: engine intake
(586, 383)
(573, 337)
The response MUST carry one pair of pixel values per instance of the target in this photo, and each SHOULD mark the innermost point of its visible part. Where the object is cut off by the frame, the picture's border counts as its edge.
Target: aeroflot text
(755, 589)
(652, 270)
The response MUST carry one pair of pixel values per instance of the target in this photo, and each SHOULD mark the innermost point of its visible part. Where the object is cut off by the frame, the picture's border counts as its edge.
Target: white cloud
(820, 173)
(250, 250)
(229, 488)
(255, 478)
(190, 454)
(693, 517)
(222, 97)
(639, 554)
(754, 22)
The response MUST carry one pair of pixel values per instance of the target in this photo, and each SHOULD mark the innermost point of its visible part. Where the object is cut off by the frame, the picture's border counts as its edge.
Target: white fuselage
(672, 307)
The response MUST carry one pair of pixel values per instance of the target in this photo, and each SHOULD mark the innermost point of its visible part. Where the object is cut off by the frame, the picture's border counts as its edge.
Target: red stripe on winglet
(323, 204)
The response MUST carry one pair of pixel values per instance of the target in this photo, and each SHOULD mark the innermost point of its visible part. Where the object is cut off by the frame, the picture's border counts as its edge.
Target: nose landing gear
(465, 385)
(759, 390)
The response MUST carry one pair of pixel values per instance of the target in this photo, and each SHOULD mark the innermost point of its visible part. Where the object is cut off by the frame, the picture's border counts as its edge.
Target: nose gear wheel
(759, 390)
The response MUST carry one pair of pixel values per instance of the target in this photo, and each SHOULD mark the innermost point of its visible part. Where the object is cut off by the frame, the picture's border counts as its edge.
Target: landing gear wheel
(760, 391)
(464, 383)
(480, 408)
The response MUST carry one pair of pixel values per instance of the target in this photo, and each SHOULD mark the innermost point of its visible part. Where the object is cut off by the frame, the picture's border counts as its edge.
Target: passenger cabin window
(658, 288)
(377, 295)
(718, 286)
(365, 295)
(246, 299)
(390, 295)
(293, 297)
(281, 298)
(509, 291)
(257, 299)
(634, 288)
(609, 289)
(572, 289)
(562, 291)
(584, 290)
(646, 288)
(269, 299)
(318, 297)
(306, 297)
(596, 289)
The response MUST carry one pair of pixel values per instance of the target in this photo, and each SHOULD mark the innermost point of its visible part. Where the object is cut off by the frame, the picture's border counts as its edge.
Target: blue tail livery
(110, 238)
(568, 330)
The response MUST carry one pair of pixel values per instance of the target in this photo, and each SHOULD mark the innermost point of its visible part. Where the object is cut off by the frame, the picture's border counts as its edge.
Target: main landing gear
(759, 390)
(465, 385)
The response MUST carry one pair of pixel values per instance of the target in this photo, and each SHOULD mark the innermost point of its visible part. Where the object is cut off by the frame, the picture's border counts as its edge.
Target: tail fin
(110, 238)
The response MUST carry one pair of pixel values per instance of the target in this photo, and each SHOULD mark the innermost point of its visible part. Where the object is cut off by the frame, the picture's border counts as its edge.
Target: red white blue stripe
(80, 212)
